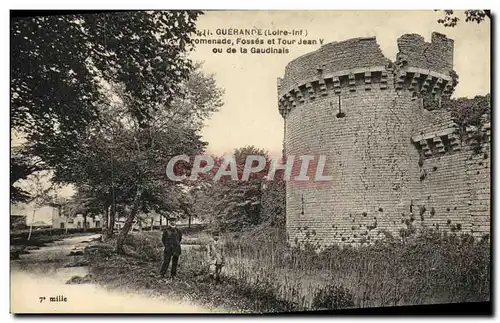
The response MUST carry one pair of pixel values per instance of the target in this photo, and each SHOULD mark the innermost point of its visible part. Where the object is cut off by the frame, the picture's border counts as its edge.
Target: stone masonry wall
(455, 190)
(333, 57)
(372, 180)
(478, 165)
(395, 165)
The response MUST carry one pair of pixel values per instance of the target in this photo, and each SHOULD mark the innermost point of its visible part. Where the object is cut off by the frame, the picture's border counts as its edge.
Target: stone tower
(364, 113)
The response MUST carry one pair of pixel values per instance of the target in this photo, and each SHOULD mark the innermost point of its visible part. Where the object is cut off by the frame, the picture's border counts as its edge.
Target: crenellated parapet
(450, 140)
(436, 55)
(333, 83)
(331, 59)
(424, 69)
(421, 82)
(479, 136)
(436, 144)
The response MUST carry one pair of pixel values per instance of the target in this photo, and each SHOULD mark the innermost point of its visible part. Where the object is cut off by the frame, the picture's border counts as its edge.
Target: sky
(250, 113)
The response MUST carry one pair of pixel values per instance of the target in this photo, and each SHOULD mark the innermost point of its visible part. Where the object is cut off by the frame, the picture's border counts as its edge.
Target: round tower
(347, 102)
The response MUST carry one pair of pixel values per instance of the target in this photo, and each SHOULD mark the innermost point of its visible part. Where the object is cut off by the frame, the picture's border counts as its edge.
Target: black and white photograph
(250, 161)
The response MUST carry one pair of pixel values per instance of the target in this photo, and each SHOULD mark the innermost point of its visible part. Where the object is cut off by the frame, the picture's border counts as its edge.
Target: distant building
(63, 221)
(153, 220)
(32, 214)
(40, 224)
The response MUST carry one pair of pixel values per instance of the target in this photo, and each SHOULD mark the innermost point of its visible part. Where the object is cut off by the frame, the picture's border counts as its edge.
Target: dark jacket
(171, 239)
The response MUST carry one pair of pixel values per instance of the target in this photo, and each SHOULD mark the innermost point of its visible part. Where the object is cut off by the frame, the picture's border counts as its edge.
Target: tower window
(340, 114)
(302, 212)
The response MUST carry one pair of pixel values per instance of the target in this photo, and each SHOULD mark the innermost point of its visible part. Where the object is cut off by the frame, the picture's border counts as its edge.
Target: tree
(22, 166)
(124, 160)
(451, 20)
(274, 200)
(233, 204)
(107, 107)
(57, 86)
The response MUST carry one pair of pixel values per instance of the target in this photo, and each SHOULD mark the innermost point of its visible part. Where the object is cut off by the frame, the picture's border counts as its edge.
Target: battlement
(335, 83)
(330, 59)
(436, 56)
(398, 159)
(358, 64)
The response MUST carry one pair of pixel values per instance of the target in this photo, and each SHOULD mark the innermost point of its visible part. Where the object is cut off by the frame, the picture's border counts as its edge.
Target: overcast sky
(250, 114)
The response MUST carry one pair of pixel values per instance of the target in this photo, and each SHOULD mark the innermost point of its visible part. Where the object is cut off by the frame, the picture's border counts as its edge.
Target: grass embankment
(264, 275)
(139, 270)
(428, 269)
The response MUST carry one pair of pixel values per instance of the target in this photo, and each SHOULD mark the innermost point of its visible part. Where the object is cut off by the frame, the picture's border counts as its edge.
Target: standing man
(215, 255)
(171, 239)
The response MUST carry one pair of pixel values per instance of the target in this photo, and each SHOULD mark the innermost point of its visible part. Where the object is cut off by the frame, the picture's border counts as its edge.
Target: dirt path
(38, 285)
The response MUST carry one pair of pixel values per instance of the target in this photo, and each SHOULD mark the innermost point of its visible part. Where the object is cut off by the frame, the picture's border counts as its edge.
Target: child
(215, 255)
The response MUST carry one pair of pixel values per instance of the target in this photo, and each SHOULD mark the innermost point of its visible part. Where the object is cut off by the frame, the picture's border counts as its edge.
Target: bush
(146, 246)
(425, 268)
(333, 297)
(428, 267)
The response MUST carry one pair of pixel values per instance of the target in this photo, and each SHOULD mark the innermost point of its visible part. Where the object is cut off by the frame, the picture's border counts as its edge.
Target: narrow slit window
(340, 114)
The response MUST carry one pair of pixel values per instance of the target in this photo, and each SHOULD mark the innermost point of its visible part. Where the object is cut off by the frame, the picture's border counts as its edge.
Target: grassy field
(432, 268)
(264, 275)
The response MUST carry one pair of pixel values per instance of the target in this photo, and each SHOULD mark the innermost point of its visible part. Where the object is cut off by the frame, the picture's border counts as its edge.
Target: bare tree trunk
(111, 222)
(105, 223)
(84, 222)
(129, 221)
(187, 211)
(31, 224)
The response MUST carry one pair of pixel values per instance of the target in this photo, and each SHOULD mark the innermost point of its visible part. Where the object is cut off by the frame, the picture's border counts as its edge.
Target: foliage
(451, 20)
(473, 114)
(469, 112)
(274, 200)
(122, 162)
(42, 191)
(58, 87)
(432, 267)
(263, 274)
(232, 205)
(332, 297)
(22, 166)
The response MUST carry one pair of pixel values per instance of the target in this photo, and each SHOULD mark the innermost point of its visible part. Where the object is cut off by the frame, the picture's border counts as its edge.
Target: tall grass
(432, 267)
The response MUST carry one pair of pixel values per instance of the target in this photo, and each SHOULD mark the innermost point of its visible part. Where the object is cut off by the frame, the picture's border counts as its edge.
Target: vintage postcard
(249, 161)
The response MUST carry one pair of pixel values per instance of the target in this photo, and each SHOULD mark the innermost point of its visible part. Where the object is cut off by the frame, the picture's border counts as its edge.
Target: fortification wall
(454, 191)
(396, 166)
(437, 55)
(332, 58)
(368, 156)
(478, 166)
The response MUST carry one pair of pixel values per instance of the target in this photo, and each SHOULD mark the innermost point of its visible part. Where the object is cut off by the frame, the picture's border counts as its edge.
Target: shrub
(333, 297)
(428, 267)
